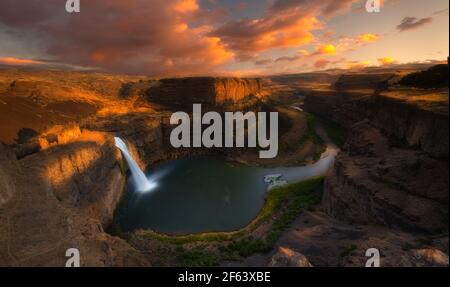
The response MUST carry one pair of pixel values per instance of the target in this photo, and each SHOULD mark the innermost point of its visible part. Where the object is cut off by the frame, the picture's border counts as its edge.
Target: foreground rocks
(60, 203)
(288, 258)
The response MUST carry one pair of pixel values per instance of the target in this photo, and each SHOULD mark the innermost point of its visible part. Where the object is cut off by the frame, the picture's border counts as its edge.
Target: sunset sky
(221, 37)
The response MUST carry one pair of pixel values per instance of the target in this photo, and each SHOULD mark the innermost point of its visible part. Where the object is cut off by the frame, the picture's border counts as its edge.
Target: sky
(221, 37)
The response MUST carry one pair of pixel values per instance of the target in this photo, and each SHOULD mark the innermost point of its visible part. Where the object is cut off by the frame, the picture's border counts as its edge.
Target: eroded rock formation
(286, 257)
(373, 183)
(393, 169)
(65, 197)
(208, 91)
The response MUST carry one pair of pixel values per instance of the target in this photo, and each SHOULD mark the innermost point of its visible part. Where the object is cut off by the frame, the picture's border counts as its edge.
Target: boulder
(286, 257)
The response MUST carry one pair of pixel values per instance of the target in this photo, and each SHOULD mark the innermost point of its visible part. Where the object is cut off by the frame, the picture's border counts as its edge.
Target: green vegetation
(434, 78)
(347, 251)
(197, 257)
(291, 199)
(336, 133)
(311, 131)
(282, 206)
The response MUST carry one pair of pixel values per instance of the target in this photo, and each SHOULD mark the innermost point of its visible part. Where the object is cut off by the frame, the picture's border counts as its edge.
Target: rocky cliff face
(393, 169)
(208, 91)
(65, 195)
(7, 171)
(363, 81)
(398, 117)
(373, 183)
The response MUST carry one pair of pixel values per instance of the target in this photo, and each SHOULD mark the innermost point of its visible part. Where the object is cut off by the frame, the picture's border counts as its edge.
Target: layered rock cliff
(7, 171)
(208, 91)
(393, 169)
(404, 115)
(65, 197)
(375, 183)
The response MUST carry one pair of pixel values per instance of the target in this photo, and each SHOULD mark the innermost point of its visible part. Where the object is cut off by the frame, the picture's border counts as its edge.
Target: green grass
(291, 199)
(198, 258)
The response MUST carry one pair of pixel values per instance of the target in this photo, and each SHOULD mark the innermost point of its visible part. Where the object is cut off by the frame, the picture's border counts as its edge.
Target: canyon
(388, 187)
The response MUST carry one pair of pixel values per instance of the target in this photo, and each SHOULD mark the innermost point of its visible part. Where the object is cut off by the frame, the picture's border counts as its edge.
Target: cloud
(247, 38)
(140, 36)
(327, 49)
(287, 59)
(321, 63)
(263, 62)
(386, 61)
(409, 23)
(324, 7)
(286, 24)
(19, 62)
(345, 44)
(356, 64)
(368, 38)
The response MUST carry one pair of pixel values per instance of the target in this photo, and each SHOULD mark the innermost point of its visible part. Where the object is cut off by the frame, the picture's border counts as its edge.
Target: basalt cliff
(393, 168)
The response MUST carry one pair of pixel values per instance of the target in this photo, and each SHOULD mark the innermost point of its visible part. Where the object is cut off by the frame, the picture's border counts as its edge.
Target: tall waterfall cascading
(139, 178)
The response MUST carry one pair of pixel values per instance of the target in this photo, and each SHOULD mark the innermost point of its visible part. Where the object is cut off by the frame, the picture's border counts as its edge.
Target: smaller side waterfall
(141, 181)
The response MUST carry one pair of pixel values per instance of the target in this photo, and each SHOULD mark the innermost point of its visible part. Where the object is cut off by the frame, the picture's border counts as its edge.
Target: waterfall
(139, 178)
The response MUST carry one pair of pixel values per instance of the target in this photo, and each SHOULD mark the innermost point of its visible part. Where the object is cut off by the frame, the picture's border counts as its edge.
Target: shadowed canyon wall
(393, 169)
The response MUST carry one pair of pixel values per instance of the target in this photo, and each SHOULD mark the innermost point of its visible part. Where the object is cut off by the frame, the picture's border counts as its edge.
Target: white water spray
(140, 180)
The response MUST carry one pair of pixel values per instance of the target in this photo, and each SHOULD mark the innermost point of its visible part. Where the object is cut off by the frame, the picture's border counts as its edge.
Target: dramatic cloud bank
(195, 37)
(136, 36)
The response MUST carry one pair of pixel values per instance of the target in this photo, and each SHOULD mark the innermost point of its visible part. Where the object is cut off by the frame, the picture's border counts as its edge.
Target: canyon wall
(373, 182)
(397, 117)
(7, 170)
(393, 169)
(208, 91)
(65, 196)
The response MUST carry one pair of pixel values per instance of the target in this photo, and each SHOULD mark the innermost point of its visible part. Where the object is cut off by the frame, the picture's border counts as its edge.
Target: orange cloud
(386, 61)
(368, 38)
(98, 57)
(303, 52)
(184, 6)
(357, 64)
(17, 61)
(321, 63)
(247, 38)
(152, 37)
(327, 49)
